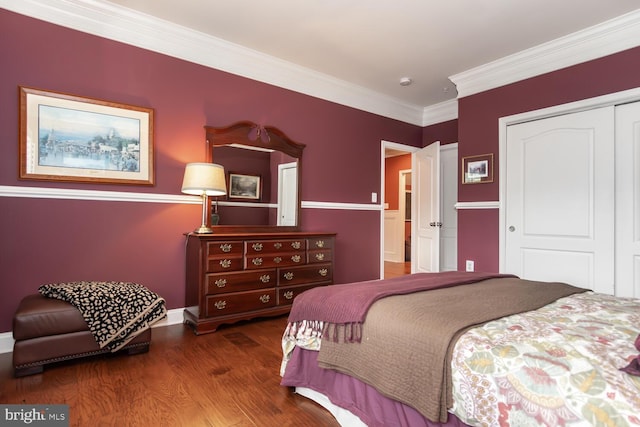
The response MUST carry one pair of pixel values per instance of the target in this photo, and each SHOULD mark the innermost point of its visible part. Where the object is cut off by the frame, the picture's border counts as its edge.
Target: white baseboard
(174, 317)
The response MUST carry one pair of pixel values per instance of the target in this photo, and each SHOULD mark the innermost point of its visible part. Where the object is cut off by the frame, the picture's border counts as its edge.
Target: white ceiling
(374, 43)
(355, 52)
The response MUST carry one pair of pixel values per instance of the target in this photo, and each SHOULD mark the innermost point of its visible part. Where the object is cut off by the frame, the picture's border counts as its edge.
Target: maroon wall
(478, 132)
(445, 132)
(49, 240)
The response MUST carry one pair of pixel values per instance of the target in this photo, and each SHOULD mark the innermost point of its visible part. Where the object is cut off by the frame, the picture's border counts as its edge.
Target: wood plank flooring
(395, 269)
(229, 378)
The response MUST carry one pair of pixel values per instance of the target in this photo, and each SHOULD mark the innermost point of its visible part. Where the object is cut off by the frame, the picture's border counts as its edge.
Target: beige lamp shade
(204, 179)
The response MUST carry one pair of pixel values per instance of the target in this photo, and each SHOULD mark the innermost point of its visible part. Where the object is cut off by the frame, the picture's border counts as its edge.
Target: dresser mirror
(263, 170)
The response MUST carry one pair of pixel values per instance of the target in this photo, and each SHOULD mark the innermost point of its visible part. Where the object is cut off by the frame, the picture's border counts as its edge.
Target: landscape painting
(69, 138)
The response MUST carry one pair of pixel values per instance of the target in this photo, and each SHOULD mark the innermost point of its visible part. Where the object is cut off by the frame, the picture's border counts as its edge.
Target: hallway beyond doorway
(396, 269)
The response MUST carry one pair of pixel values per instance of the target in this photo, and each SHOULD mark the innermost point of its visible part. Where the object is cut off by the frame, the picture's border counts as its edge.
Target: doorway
(399, 250)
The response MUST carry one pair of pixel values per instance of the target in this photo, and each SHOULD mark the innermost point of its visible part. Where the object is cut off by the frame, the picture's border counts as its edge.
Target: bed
(456, 349)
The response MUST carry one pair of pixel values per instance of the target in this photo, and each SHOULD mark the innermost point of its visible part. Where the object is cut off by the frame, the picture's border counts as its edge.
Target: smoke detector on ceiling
(405, 81)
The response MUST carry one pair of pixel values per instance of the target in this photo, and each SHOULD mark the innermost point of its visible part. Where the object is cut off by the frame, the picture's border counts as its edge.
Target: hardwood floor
(395, 269)
(224, 379)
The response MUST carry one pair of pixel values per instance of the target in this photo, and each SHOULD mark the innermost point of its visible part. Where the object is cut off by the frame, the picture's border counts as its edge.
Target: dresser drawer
(223, 304)
(240, 281)
(320, 255)
(320, 243)
(215, 265)
(314, 273)
(221, 249)
(275, 246)
(288, 293)
(275, 260)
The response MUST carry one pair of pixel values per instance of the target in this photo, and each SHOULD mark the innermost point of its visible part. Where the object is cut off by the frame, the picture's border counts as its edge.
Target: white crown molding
(591, 43)
(117, 23)
(442, 112)
(123, 25)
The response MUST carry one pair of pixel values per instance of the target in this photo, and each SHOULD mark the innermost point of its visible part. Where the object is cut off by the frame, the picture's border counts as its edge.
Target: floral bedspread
(556, 366)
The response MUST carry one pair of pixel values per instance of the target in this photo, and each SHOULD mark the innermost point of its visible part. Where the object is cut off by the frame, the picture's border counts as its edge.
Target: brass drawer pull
(265, 298)
(277, 245)
(320, 243)
(296, 245)
(288, 275)
(225, 263)
(221, 283)
(257, 261)
(221, 304)
(323, 272)
(225, 247)
(257, 247)
(295, 258)
(288, 295)
(265, 278)
(277, 260)
(320, 257)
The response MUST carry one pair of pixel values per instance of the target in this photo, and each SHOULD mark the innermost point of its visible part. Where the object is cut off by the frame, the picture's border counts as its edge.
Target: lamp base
(203, 229)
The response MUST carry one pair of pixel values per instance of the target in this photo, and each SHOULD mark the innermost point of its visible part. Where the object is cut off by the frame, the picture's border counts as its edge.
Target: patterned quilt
(116, 312)
(555, 366)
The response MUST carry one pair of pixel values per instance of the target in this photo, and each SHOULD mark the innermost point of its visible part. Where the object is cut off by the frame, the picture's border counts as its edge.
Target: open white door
(287, 193)
(425, 209)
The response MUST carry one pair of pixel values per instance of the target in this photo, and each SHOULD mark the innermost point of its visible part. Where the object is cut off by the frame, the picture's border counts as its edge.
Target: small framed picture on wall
(477, 169)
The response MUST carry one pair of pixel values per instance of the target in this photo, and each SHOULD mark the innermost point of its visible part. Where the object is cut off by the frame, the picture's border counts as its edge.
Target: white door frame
(383, 147)
(285, 188)
(631, 95)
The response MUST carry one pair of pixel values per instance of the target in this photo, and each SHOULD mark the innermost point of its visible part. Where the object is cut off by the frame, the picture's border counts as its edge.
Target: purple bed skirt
(349, 393)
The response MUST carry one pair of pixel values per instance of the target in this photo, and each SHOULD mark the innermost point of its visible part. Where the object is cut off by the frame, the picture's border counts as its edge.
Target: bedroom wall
(52, 240)
(478, 233)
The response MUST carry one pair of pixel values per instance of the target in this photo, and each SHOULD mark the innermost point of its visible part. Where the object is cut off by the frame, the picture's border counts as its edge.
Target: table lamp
(204, 179)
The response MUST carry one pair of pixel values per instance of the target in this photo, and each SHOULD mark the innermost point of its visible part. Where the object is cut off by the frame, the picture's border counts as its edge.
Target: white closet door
(560, 198)
(628, 200)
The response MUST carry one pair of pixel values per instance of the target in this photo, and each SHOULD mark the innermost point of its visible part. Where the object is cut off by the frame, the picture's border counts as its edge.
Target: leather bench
(48, 330)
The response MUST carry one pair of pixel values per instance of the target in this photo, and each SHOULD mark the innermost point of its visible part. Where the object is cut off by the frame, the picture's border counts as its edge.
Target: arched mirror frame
(254, 135)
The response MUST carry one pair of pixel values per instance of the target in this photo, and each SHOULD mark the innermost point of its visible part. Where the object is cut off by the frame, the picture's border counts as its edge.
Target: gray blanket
(407, 340)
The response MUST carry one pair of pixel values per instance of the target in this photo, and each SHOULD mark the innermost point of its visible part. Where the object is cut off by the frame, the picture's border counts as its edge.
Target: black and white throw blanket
(116, 312)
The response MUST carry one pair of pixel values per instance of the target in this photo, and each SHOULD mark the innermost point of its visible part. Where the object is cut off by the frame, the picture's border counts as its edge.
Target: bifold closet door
(628, 200)
(560, 199)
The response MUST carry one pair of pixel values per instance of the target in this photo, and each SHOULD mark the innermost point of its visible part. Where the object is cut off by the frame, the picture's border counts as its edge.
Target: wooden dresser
(233, 277)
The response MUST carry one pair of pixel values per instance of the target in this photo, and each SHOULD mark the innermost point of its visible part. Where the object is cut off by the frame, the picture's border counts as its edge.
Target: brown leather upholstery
(39, 316)
(48, 330)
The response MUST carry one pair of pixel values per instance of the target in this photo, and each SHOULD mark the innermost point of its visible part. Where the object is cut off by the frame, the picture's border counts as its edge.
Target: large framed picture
(246, 187)
(71, 138)
(477, 169)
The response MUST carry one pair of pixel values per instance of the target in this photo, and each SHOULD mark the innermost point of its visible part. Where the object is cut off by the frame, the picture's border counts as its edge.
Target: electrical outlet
(470, 265)
(374, 197)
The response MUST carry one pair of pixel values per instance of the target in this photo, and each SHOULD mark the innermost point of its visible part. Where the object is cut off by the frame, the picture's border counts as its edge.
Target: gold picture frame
(71, 138)
(477, 169)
